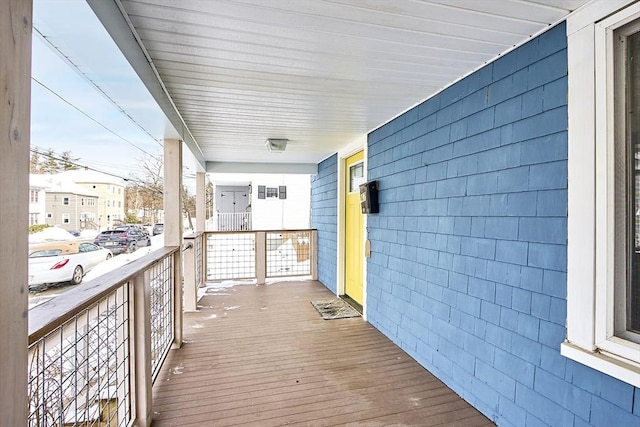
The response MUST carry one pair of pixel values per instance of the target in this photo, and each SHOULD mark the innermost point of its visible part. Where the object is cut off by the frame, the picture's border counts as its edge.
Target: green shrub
(37, 228)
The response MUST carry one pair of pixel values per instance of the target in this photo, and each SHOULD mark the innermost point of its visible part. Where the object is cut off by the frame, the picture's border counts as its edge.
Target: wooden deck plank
(263, 356)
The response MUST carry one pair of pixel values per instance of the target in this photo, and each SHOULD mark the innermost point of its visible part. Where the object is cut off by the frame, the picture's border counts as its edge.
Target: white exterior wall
(286, 214)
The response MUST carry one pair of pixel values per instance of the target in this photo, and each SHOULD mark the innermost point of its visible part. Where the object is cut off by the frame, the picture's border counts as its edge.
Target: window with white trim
(66, 218)
(603, 271)
(272, 192)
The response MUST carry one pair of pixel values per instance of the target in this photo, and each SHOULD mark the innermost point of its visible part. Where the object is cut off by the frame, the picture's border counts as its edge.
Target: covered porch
(262, 355)
(459, 272)
(237, 342)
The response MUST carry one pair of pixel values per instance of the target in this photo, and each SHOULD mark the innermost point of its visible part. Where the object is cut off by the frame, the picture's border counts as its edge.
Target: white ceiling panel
(320, 73)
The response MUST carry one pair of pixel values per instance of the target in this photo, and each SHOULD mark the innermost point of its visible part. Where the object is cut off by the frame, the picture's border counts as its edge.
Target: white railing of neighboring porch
(240, 221)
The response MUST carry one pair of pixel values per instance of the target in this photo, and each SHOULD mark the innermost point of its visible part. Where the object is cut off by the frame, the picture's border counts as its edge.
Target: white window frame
(591, 217)
(66, 218)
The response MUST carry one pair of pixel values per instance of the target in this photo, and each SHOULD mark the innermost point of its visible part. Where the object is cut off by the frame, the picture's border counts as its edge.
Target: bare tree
(145, 191)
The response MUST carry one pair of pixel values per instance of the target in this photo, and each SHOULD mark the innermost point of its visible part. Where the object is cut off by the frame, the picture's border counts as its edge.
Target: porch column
(201, 202)
(15, 97)
(173, 224)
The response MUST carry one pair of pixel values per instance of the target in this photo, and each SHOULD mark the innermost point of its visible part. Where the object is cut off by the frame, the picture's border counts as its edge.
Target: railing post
(261, 257)
(190, 279)
(313, 254)
(142, 349)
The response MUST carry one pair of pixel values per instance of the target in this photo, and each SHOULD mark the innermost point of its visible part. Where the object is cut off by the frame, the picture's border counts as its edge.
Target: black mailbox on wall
(369, 197)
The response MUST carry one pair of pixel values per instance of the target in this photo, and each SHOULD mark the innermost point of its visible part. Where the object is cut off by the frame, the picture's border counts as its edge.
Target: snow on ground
(157, 242)
(54, 234)
(51, 234)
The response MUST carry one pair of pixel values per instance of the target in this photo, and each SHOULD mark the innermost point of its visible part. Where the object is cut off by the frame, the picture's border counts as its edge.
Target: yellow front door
(354, 230)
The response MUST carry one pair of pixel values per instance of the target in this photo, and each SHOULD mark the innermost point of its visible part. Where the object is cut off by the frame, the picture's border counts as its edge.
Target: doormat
(334, 309)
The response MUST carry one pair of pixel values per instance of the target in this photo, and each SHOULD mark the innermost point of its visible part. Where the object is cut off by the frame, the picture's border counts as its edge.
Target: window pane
(356, 177)
(633, 152)
(272, 192)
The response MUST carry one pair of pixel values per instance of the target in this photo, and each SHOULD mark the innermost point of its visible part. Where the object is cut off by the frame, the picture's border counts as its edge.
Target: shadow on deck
(263, 356)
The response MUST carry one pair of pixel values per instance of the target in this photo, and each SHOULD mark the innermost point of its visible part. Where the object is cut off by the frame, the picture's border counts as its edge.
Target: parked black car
(123, 239)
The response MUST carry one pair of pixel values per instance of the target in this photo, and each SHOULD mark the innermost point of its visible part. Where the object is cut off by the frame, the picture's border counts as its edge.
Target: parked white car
(59, 262)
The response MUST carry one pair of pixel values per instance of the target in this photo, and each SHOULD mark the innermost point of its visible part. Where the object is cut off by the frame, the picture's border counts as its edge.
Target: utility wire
(39, 152)
(89, 117)
(78, 71)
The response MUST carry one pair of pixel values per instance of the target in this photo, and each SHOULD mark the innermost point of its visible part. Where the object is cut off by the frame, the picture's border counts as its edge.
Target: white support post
(190, 280)
(261, 257)
(15, 97)
(201, 202)
(313, 254)
(173, 225)
(142, 349)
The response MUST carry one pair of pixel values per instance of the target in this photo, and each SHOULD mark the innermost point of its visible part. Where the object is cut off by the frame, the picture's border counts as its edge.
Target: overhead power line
(82, 74)
(39, 152)
(88, 116)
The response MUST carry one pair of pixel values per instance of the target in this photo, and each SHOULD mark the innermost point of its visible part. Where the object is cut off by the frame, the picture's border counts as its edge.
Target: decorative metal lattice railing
(86, 366)
(259, 254)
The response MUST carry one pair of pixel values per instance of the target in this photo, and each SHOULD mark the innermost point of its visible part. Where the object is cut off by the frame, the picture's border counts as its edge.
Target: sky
(110, 133)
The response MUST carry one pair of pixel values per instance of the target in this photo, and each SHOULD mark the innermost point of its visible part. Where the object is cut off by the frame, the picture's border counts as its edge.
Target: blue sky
(72, 30)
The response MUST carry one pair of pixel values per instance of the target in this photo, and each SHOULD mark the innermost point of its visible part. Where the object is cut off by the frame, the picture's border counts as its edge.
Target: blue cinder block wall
(468, 265)
(324, 217)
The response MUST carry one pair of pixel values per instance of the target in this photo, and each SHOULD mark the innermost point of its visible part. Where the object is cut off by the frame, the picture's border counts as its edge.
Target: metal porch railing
(218, 256)
(95, 351)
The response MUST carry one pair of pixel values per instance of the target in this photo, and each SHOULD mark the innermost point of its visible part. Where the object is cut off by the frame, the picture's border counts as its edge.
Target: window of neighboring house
(272, 193)
(34, 196)
(49, 215)
(65, 218)
(82, 201)
(33, 218)
(108, 203)
(65, 200)
(603, 269)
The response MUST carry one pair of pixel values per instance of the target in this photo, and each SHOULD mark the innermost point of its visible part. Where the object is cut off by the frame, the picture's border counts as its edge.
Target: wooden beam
(201, 201)
(173, 223)
(15, 97)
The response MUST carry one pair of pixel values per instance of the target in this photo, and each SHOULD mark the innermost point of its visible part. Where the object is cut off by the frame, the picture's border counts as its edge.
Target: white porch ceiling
(231, 73)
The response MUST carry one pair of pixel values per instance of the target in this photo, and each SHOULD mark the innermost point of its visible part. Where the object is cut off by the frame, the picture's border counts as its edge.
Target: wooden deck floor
(263, 356)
